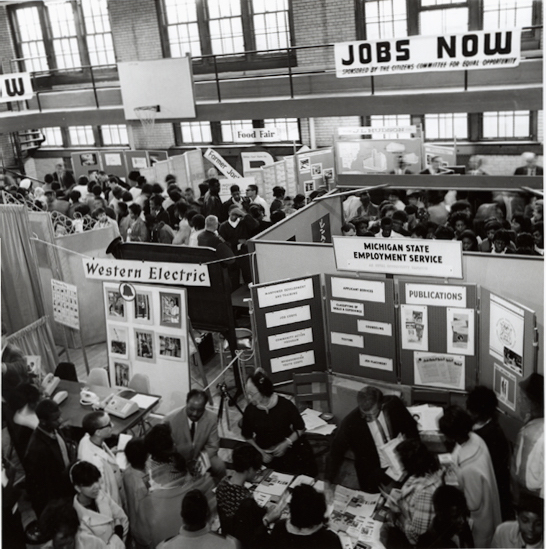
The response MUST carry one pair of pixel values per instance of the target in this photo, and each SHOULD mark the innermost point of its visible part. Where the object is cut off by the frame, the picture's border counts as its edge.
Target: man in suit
(530, 165)
(194, 430)
(376, 420)
(210, 239)
(46, 458)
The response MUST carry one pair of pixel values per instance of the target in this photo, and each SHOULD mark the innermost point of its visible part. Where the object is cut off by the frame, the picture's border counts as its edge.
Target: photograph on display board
(170, 310)
(115, 305)
(144, 342)
(118, 342)
(88, 159)
(139, 162)
(304, 164)
(328, 175)
(170, 347)
(504, 385)
(143, 308)
(122, 374)
(460, 331)
(309, 186)
(414, 327)
(513, 361)
(316, 170)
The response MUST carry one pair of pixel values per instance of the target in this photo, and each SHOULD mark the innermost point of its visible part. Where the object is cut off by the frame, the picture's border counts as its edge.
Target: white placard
(223, 165)
(285, 292)
(15, 87)
(402, 256)
(414, 329)
(361, 290)
(349, 340)
(506, 330)
(290, 339)
(460, 331)
(287, 316)
(290, 362)
(439, 370)
(376, 362)
(65, 304)
(187, 274)
(473, 50)
(347, 307)
(369, 130)
(438, 296)
(257, 134)
(371, 327)
(113, 159)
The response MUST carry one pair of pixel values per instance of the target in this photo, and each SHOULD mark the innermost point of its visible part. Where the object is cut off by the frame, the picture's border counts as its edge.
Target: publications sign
(469, 51)
(15, 87)
(407, 256)
(179, 274)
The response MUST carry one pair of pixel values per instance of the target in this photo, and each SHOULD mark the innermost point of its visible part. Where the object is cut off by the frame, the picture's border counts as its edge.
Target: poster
(304, 164)
(414, 327)
(439, 370)
(506, 328)
(118, 342)
(504, 385)
(112, 159)
(65, 304)
(460, 331)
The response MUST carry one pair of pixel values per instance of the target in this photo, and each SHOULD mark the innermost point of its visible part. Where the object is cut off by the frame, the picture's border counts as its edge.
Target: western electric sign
(468, 51)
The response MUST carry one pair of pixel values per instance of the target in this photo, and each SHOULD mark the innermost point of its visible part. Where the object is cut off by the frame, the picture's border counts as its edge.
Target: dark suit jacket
(209, 239)
(44, 468)
(354, 434)
(522, 170)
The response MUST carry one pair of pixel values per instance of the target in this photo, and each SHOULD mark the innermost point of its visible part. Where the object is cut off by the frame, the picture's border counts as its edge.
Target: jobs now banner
(468, 51)
(15, 87)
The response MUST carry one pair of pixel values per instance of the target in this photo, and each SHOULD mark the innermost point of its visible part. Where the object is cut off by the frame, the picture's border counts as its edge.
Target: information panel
(361, 327)
(290, 327)
(437, 324)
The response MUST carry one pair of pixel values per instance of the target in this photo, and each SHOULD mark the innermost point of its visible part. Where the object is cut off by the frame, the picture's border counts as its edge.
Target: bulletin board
(361, 322)
(147, 333)
(315, 169)
(114, 163)
(290, 327)
(438, 335)
(136, 160)
(86, 162)
(508, 352)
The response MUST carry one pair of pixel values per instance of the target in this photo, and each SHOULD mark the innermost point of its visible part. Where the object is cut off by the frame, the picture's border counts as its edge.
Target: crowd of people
(174, 482)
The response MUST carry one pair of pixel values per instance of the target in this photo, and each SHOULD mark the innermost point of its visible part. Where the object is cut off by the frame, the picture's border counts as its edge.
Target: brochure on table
(437, 324)
(147, 333)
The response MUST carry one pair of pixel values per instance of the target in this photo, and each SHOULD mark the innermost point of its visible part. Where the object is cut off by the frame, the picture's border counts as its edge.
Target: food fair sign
(468, 51)
(401, 256)
(179, 274)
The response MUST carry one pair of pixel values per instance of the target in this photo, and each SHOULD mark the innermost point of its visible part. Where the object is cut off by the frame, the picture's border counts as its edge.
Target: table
(73, 412)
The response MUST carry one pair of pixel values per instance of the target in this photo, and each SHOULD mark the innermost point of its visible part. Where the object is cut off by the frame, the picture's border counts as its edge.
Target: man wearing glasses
(98, 427)
(374, 422)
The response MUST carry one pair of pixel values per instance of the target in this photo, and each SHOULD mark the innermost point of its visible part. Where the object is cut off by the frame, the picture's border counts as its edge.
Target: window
(114, 134)
(446, 126)
(97, 32)
(385, 19)
(271, 24)
(391, 120)
(506, 124)
(81, 136)
(183, 28)
(226, 26)
(231, 127)
(503, 14)
(31, 39)
(196, 132)
(53, 137)
(445, 20)
(288, 128)
(63, 30)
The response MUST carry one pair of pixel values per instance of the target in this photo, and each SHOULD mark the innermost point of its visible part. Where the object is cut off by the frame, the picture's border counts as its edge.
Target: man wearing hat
(54, 204)
(528, 460)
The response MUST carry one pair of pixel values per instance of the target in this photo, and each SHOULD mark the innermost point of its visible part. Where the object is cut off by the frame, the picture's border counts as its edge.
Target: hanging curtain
(37, 339)
(22, 301)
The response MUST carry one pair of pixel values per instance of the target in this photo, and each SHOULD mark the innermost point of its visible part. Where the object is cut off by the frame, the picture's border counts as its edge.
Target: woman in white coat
(99, 514)
(474, 472)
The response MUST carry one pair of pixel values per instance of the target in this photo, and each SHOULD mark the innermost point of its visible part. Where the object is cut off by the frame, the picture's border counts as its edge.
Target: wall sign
(473, 50)
(15, 87)
(223, 165)
(439, 296)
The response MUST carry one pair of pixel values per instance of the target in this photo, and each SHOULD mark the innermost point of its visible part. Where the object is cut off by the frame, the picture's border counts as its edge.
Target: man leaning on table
(195, 430)
(376, 420)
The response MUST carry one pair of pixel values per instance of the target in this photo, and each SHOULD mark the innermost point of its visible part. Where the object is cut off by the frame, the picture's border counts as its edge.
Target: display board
(315, 169)
(147, 333)
(361, 323)
(114, 163)
(290, 327)
(438, 335)
(509, 355)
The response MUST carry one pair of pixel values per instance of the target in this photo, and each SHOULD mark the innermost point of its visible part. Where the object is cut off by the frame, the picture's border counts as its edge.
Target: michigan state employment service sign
(468, 51)
(401, 256)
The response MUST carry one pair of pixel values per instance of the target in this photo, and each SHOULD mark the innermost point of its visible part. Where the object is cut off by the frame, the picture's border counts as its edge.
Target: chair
(66, 371)
(139, 383)
(98, 376)
(306, 393)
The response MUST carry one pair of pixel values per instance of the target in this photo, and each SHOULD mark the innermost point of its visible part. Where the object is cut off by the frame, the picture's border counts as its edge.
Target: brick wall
(7, 48)
(322, 22)
(504, 165)
(135, 28)
(161, 136)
